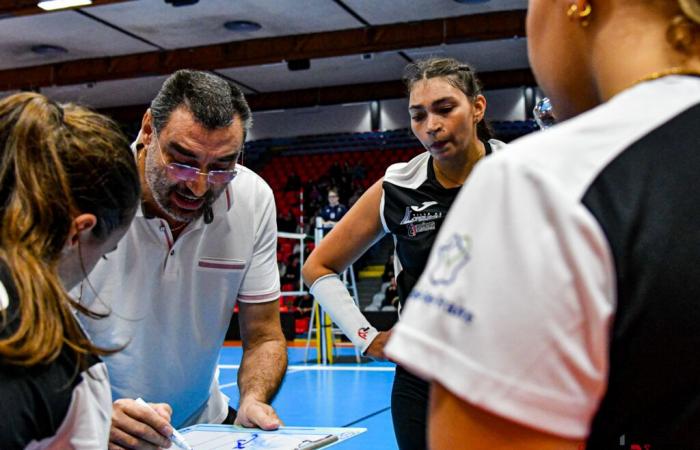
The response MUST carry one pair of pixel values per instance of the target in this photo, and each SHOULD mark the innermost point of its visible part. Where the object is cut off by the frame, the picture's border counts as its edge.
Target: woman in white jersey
(68, 190)
(566, 315)
(410, 202)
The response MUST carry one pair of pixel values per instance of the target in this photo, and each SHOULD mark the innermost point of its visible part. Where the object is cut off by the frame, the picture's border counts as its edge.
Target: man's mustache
(209, 199)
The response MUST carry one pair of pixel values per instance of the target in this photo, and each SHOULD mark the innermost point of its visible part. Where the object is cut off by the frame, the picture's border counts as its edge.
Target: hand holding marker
(176, 437)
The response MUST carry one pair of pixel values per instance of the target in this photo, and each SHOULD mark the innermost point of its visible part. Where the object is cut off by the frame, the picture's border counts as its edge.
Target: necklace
(178, 228)
(454, 182)
(667, 72)
(470, 166)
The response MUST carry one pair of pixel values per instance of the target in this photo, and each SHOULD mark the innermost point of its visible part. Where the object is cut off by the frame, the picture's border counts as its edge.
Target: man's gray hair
(212, 100)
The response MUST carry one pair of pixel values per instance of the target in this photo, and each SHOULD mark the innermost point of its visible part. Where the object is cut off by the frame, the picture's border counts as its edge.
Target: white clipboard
(231, 437)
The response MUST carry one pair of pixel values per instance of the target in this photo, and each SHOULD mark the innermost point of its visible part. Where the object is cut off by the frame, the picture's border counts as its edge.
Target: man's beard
(162, 188)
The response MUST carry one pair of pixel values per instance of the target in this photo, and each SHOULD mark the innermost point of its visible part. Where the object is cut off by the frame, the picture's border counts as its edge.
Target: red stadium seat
(301, 325)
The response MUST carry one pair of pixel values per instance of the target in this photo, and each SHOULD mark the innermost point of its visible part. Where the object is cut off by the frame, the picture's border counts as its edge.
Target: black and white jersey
(50, 406)
(413, 207)
(570, 301)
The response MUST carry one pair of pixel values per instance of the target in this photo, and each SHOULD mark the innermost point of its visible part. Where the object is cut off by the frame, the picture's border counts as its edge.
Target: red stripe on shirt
(221, 265)
(267, 296)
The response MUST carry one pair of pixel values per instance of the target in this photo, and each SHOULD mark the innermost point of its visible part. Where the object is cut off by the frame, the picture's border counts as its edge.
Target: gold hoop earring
(582, 16)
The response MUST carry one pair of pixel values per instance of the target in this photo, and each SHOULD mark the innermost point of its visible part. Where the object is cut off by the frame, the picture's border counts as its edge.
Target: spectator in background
(334, 211)
(293, 182)
(355, 196)
(358, 172)
(287, 222)
(303, 305)
(292, 273)
(344, 188)
(313, 195)
(335, 172)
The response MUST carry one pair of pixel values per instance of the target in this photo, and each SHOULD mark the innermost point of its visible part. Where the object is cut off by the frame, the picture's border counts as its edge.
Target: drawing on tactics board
(226, 437)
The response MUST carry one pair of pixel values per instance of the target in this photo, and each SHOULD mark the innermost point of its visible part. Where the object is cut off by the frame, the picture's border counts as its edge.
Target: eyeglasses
(183, 172)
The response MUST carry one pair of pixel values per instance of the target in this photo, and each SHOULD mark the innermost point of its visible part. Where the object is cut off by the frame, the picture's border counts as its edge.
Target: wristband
(335, 299)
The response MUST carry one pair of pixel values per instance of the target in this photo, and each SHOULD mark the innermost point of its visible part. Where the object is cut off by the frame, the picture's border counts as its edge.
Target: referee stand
(321, 325)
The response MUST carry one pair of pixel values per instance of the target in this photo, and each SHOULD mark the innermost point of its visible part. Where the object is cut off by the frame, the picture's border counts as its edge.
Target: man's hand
(256, 414)
(137, 427)
(263, 364)
(376, 348)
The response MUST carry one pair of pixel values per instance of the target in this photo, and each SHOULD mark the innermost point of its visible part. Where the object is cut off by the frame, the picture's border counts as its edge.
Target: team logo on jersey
(419, 219)
(362, 332)
(449, 258)
(417, 216)
(425, 205)
(415, 228)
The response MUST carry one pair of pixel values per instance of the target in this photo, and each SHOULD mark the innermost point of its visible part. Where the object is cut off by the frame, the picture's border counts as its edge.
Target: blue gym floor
(337, 395)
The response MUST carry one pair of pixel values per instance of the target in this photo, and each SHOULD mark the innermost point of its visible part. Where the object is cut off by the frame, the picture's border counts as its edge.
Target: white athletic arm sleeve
(332, 294)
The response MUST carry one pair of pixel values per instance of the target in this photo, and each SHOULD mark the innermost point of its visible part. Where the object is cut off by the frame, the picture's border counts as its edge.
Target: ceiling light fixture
(48, 50)
(53, 5)
(242, 26)
(298, 64)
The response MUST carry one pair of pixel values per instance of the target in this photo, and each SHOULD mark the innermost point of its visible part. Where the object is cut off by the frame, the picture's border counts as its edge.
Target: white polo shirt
(170, 303)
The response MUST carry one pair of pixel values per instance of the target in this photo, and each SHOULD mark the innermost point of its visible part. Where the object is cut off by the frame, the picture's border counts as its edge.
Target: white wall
(505, 104)
(394, 114)
(306, 121)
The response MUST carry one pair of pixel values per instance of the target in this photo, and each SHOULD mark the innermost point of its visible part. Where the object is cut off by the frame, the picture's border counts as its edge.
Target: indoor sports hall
(329, 111)
(360, 224)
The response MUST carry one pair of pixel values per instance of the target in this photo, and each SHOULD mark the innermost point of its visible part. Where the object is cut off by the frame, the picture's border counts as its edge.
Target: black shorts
(409, 410)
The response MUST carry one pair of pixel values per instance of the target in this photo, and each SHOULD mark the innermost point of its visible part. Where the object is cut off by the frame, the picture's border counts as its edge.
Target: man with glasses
(333, 211)
(204, 239)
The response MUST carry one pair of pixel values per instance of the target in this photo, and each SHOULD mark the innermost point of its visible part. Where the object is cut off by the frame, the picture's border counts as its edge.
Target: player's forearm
(262, 369)
(332, 294)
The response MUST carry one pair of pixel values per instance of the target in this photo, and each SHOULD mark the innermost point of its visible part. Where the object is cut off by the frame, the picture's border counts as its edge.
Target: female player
(68, 190)
(447, 111)
(570, 318)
